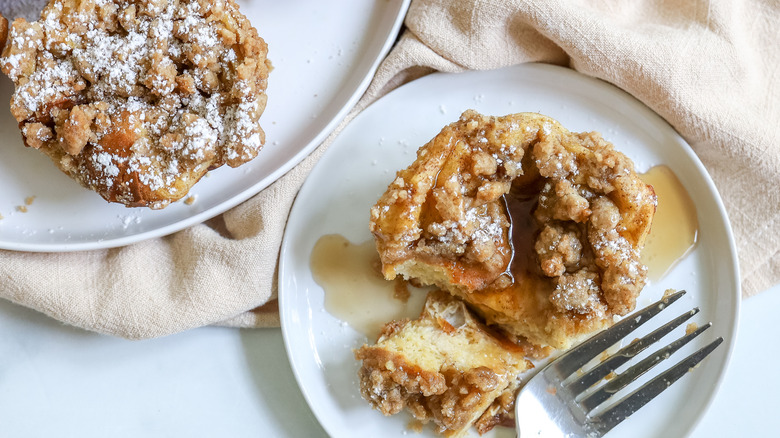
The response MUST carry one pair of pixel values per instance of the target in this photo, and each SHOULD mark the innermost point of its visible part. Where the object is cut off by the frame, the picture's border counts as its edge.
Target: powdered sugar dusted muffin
(138, 99)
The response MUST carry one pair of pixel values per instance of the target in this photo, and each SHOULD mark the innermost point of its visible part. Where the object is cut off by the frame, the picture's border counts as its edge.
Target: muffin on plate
(138, 99)
(537, 228)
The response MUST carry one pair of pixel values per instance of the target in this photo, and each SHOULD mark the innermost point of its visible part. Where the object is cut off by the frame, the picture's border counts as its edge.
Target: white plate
(357, 168)
(324, 56)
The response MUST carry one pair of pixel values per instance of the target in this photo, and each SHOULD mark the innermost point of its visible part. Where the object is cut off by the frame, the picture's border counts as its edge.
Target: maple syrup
(523, 231)
(675, 227)
(356, 293)
(524, 269)
(355, 290)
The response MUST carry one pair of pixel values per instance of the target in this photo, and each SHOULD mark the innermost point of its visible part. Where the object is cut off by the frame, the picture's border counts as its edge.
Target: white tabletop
(61, 381)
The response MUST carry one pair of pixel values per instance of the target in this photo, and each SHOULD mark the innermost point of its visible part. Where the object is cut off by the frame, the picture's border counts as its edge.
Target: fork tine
(578, 356)
(610, 388)
(634, 401)
(627, 353)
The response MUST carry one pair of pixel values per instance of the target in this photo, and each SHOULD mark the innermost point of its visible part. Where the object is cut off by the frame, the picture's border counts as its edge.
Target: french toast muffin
(138, 99)
(537, 228)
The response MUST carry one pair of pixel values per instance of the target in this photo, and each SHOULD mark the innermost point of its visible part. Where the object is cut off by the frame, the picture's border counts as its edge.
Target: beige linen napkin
(710, 68)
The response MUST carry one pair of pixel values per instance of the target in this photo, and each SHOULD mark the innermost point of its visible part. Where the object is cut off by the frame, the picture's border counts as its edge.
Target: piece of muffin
(444, 367)
(138, 99)
(537, 228)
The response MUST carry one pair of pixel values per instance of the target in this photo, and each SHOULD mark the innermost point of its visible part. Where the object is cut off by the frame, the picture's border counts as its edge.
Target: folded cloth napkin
(710, 68)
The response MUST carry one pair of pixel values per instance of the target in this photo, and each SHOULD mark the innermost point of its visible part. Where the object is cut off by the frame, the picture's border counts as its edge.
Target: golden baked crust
(444, 367)
(581, 214)
(445, 214)
(138, 99)
(3, 31)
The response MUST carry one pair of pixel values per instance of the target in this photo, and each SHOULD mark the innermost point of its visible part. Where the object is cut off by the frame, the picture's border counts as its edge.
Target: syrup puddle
(355, 291)
(357, 294)
(675, 228)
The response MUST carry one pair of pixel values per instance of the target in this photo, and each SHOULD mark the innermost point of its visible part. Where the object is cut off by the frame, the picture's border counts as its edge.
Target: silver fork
(559, 400)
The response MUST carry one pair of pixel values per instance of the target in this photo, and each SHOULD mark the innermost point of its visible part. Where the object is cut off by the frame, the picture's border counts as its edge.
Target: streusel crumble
(537, 228)
(138, 99)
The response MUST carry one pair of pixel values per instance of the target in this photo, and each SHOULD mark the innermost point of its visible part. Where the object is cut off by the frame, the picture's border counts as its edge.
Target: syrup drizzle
(524, 269)
(355, 290)
(357, 294)
(675, 228)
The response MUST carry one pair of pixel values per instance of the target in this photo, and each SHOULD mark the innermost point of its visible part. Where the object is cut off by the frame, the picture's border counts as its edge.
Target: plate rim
(195, 219)
(732, 332)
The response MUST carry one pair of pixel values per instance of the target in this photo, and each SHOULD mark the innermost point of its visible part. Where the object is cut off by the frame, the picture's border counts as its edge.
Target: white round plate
(324, 56)
(384, 138)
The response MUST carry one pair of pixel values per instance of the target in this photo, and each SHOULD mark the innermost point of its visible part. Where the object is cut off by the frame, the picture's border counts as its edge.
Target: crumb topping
(539, 228)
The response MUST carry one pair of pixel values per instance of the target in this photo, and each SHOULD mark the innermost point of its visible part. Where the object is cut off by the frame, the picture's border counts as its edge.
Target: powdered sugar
(56, 82)
(487, 228)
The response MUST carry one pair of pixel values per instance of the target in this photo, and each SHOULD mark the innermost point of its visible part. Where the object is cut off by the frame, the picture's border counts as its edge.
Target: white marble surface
(61, 381)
